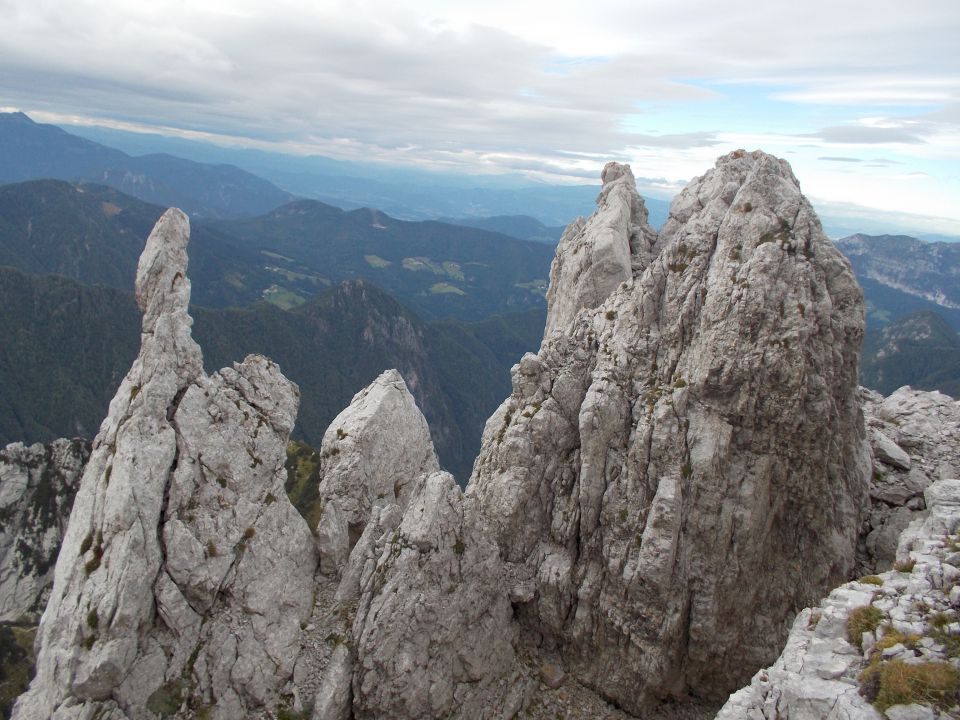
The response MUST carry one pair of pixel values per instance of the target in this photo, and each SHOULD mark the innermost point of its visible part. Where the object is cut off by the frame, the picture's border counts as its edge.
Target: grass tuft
(865, 618)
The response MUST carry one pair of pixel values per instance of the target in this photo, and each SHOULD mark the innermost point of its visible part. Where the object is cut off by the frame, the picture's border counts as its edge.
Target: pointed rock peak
(370, 455)
(595, 256)
(613, 171)
(677, 434)
(162, 285)
(180, 533)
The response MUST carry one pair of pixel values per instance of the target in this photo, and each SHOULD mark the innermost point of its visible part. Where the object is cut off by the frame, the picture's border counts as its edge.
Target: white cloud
(505, 84)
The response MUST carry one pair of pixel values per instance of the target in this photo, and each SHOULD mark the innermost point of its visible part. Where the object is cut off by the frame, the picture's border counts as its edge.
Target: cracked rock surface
(915, 441)
(433, 631)
(419, 622)
(185, 572)
(37, 487)
(370, 455)
(819, 673)
(686, 447)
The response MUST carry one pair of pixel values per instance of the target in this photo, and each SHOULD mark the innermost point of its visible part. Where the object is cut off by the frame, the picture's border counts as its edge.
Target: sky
(863, 98)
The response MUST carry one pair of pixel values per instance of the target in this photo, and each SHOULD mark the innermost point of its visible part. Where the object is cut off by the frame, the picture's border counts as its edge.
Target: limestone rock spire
(685, 464)
(165, 590)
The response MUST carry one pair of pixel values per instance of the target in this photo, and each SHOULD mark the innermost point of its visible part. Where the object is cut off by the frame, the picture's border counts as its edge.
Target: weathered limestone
(818, 674)
(37, 486)
(915, 439)
(185, 572)
(433, 631)
(420, 620)
(371, 454)
(595, 256)
(687, 464)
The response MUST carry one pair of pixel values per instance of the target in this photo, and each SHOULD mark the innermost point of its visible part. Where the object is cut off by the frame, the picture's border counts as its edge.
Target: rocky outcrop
(433, 631)
(686, 465)
(839, 655)
(370, 455)
(593, 259)
(419, 619)
(915, 441)
(681, 466)
(37, 486)
(185, 572)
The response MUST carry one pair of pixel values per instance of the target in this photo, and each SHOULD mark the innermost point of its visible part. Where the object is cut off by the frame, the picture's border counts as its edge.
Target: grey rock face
(370, 455)
(817, 674)
(185, 572)
(37, 486)
(420, 617)
(684, 449)
(596, 255)
(433, 630)
(915, 441)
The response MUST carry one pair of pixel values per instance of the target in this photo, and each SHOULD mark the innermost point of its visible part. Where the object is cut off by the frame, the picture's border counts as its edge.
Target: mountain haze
(405, 192)
(34, 151)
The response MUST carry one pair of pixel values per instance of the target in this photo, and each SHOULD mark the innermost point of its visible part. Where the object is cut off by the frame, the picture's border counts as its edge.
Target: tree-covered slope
(95, 234)
(920, 350)
(437, 269)
(66, 347)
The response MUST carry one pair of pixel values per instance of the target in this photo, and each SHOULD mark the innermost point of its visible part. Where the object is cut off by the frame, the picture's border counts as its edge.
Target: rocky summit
(185, 572)
(686, 465)
(683, 465)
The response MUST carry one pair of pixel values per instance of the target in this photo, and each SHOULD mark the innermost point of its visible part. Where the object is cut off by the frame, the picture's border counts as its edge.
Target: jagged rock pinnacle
(181, 533)
(597, 255)
(672, 458)
(370, 454)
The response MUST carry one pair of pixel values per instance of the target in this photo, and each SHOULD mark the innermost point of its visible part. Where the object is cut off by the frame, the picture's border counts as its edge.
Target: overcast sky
(863, 98)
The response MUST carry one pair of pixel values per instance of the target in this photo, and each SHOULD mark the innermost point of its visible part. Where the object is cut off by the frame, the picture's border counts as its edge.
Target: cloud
(502, 85)
(841, 159)
(867, 135)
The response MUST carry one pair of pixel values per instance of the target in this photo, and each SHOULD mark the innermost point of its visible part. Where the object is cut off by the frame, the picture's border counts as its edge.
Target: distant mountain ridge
(901, 274)
(33, 151)
(94, 234)
(407, 193)
(522, 227)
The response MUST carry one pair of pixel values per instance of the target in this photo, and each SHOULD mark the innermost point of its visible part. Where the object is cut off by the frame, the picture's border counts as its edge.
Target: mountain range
(67, 345)
(32, 151)
(329, 278)
(407, 193)
(95, 234)
(901, 274)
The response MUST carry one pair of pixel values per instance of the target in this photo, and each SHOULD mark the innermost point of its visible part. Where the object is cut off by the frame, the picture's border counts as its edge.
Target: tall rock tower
(185, 572)
(683, 464)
